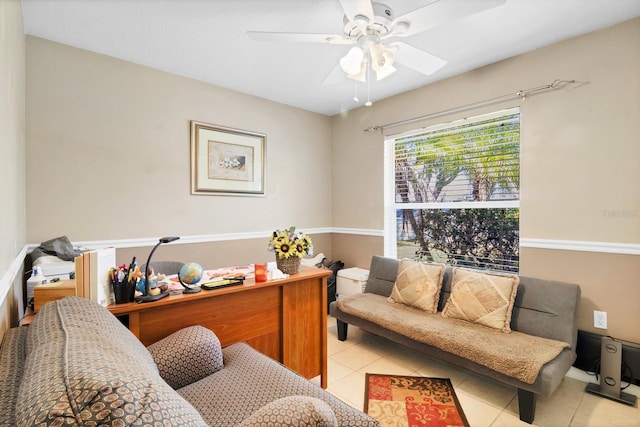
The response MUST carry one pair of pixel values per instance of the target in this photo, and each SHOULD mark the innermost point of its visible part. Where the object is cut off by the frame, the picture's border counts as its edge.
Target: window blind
(467, 162)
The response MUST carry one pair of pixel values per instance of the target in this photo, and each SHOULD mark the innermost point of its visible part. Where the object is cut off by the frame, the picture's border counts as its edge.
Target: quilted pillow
(293, 411)
(187, 355)
(418, 285)
(483, 298)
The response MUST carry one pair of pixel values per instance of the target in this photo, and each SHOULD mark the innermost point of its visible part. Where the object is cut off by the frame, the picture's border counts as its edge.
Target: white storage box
(351, 281)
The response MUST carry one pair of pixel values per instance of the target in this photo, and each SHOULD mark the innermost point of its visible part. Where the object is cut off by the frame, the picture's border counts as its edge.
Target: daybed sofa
(540, 333)
(76, 364)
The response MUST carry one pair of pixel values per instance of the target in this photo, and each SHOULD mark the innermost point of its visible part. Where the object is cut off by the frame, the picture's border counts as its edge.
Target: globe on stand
(189, 274)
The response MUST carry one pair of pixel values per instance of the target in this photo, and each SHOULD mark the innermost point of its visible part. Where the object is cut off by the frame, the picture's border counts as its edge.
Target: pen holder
(123, 291)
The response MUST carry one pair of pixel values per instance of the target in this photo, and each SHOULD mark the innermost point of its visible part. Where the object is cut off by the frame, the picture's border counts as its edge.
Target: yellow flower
(286, 250)
(282, 236)
(288, 243)
(299, 249)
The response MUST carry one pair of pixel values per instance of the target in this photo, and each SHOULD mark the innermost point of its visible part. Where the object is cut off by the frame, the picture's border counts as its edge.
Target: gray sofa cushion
(382, 276)
(547, 308)
(83, 367)
(249, 381)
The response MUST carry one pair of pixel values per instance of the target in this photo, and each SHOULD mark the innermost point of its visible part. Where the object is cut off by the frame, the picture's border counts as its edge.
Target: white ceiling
(206, 40)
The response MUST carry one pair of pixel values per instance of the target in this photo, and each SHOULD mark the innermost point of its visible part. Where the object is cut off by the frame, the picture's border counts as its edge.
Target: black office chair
(164, 267)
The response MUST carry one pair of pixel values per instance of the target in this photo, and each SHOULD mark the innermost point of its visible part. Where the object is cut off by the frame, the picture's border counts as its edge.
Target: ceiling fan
(372, 28)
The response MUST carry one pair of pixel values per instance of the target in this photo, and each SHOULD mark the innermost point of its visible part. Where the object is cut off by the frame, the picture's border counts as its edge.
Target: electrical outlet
(600, 319)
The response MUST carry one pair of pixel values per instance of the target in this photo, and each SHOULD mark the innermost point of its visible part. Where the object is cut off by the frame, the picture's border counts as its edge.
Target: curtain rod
(557, 84)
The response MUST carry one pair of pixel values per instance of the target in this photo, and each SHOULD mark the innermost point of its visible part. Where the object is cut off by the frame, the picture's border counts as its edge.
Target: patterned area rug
(400, 401)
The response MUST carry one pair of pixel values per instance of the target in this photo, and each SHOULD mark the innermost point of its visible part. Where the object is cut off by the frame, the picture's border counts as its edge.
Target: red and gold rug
(402, 401)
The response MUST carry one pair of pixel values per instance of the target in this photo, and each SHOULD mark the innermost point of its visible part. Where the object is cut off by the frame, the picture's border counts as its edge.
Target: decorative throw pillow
(293, 411)
(483, 298)
(418, 285)
(187, 355)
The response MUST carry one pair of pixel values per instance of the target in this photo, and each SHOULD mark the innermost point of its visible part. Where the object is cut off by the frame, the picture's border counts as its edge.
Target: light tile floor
(485, 402)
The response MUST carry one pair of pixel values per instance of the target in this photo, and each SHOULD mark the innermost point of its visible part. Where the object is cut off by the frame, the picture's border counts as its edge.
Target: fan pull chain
(368, 103)
(355, 91)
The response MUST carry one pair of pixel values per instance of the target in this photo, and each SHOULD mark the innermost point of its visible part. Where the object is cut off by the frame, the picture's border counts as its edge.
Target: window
(452, 192)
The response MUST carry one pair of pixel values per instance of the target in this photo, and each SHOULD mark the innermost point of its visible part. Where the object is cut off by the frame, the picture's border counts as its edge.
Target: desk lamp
(146, 297)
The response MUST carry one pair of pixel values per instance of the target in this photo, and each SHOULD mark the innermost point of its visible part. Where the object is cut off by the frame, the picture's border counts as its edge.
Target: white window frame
(390, 205)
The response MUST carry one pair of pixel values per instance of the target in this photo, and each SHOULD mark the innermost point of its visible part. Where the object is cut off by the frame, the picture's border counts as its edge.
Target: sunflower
(299, 248)
(288, 243)
(281, 236)
(284, 247)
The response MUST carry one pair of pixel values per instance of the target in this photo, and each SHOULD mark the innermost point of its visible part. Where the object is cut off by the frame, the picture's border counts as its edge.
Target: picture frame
(226, 161)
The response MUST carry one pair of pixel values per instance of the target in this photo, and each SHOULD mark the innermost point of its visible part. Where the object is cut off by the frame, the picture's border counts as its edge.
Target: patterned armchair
(76, 364)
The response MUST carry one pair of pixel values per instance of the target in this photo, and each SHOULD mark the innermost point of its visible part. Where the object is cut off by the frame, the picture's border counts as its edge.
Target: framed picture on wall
(226, 161)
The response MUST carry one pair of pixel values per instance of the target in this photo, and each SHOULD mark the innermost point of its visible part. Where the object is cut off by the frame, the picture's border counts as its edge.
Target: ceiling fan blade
(335, 76)
(439, 13)
(417, 59)
(352, 8)
(298, 37)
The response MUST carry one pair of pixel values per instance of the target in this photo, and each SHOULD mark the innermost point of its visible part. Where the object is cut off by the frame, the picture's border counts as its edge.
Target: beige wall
(12, 169)
(609, 282)
(217, 254)
(356, 250)
(579, 160)
(109, 152)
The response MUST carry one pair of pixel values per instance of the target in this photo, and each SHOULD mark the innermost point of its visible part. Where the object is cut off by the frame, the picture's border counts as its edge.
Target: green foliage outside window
(479, 238)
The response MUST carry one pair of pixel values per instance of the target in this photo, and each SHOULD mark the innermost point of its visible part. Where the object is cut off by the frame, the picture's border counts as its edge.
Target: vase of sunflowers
(290, 247)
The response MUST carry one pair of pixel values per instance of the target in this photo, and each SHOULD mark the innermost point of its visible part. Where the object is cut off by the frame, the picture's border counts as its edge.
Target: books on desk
(224, 283)
(92, 275)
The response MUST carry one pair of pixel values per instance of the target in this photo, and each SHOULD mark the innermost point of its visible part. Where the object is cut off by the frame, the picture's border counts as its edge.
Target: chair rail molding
(525, 242)
(9, 276)
(582, 246)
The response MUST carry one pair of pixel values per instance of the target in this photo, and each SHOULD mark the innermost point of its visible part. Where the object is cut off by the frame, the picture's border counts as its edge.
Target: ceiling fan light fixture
(360, 75)
(351, 63)
(382, 59)
(381, 56)
(385, 72)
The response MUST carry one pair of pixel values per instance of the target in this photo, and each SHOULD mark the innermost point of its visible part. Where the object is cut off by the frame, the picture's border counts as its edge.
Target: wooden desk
(284, 319)
(27, 318)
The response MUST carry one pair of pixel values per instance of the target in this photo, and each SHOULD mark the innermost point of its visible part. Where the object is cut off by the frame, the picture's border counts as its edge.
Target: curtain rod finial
(373, 129)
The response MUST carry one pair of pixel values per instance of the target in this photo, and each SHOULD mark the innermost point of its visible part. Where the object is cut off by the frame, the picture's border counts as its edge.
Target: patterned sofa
(77, 365)
(518, 330)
